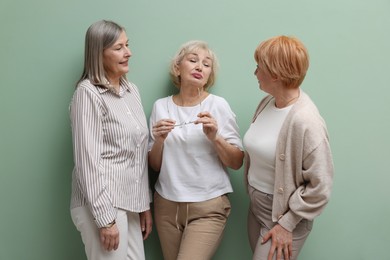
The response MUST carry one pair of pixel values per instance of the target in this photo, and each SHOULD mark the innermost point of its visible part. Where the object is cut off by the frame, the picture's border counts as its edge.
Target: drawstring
(177, 216)
(187, 216)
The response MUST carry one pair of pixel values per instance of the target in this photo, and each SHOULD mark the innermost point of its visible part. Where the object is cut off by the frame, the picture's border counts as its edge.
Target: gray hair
(99, 36)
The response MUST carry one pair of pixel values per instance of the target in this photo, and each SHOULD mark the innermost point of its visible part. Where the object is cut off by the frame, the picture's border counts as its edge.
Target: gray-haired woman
(110, 203)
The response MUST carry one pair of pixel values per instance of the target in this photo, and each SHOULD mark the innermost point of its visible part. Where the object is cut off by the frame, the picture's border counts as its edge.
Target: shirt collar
(123, 83)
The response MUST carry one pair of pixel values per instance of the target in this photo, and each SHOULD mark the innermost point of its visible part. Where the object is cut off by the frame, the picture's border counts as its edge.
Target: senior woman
(194, 139)
(289, 167)
(110, 191)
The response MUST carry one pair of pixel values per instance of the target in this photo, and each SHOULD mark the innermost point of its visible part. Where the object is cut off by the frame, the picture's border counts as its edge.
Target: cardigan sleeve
(304, 167)
(310, 198)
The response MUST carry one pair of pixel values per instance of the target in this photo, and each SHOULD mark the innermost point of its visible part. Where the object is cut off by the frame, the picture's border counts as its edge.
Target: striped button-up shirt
(110, 137)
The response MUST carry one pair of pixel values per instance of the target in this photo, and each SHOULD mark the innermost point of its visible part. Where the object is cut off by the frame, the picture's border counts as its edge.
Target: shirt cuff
(104, 220)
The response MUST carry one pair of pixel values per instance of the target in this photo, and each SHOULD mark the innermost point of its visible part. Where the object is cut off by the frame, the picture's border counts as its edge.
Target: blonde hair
(285, 58)
(99, 36)
(187, 48)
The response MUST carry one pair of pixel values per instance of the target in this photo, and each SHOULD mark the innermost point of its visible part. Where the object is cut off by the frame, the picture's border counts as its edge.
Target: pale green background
(41, 56)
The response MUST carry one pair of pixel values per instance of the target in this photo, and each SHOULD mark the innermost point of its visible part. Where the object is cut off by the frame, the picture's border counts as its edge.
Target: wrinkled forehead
(197, 52)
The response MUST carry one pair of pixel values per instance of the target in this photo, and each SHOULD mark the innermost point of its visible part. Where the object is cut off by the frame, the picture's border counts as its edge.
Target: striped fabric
(110, 137)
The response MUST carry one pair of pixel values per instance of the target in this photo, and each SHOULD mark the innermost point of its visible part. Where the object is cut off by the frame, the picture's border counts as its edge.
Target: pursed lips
(197, 75)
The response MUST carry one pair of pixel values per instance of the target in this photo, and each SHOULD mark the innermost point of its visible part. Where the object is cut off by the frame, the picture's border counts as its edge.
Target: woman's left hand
(281, 242)
(146, 222)
(210, 125)
(109, 237)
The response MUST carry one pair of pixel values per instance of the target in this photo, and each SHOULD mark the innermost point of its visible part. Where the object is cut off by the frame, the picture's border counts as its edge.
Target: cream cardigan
(303, 164)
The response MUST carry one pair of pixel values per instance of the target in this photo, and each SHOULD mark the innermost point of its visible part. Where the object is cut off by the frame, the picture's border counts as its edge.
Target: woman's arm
(87, 133)
(230, 155)
(160, 132)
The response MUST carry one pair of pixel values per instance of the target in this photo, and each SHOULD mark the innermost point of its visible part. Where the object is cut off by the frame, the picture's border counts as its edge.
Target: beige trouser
(190, 231)
(260, 222)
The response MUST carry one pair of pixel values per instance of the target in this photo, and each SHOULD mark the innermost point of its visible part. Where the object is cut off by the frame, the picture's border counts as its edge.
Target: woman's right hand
(162, 128)
(109, 237)
(160, 132)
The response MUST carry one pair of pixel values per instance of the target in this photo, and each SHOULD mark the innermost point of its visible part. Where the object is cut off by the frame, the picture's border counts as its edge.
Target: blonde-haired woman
(289, 167)
(194, 138)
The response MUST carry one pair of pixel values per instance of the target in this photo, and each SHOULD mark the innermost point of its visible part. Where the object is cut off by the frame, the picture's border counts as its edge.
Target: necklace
(288, 102)
(187, 111)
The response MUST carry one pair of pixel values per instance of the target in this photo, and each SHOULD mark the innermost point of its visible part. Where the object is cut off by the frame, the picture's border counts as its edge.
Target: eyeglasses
(184, 123)
(191, 115)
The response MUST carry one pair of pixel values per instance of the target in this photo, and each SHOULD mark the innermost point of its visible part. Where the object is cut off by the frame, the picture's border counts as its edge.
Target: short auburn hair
(285, 58)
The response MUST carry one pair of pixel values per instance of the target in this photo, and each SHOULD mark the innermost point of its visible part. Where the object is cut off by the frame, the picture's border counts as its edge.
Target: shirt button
(280, 190)
(282, 157)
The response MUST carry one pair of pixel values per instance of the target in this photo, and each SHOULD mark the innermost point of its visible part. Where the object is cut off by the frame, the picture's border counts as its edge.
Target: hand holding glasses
(184, 123)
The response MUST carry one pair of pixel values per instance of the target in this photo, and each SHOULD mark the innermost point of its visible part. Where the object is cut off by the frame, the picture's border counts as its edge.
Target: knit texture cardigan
(303, 164)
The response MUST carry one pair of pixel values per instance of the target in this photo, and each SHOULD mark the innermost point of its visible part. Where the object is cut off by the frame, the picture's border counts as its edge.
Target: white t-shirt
(260, 143)
(191, 170)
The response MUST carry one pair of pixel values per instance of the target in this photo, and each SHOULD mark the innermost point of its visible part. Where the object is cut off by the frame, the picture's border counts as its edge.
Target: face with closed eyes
(116, 58)
(195, 68)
